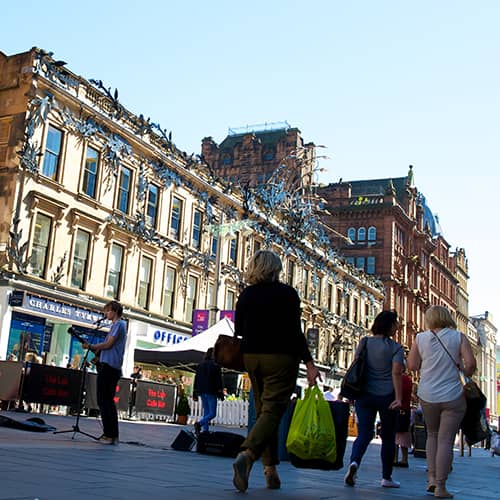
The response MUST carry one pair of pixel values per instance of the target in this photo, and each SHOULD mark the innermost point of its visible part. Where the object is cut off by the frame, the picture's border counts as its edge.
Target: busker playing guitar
(109, 370)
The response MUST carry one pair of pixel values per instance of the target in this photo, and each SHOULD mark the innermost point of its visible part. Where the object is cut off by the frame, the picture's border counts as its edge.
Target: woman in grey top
(382, 393)
(440, 390)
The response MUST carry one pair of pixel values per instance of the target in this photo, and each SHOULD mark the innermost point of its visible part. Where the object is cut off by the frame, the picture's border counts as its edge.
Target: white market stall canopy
(190, 351)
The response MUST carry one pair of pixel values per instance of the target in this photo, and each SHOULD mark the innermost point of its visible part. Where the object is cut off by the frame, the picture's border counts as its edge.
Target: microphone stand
(76, 426)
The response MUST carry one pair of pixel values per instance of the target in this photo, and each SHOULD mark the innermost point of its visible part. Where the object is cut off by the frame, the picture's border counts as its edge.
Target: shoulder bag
(228, 353)
(353, 382)
(474, 424)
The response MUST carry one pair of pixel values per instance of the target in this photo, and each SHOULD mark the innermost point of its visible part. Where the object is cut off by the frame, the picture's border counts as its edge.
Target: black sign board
(121, 396)
(152, 397)
(51, 385)
(16, 298)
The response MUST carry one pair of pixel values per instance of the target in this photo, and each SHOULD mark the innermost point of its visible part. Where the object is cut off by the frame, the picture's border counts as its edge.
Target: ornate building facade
(98, 203)
(486, 360)
(386, 232)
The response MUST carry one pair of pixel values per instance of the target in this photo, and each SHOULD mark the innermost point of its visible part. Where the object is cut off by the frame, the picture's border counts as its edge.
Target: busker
(109, 370)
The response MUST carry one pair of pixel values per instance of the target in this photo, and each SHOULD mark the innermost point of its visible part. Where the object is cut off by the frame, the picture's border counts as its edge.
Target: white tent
(189, 351)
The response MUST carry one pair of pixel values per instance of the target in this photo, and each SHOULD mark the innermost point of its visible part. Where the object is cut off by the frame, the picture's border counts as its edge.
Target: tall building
(98, 203)
(387, 230)
(486, 360)
(250, 155)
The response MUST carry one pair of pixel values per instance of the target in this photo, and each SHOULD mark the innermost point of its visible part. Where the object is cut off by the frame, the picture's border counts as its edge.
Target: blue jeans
(209, 402)
(367, 407)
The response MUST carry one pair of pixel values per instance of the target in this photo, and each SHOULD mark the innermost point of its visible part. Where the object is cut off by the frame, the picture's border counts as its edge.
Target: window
(41, 240)
(290, 272)
(90, 172)
(372, 233)
(360, 263)
(191, 292)
(124, 190)
(347, 307)
(210, 296)
(196, 236)
(176, 219)
(152, 205)
(80, 258)
(213, 251)
(330, 297)
(305, 283)
(169, 292)
(233, 250)
(319, 294)
(230, 300)
(52, 153)
(145, 282)
(351, 234)
(115, 271)
(350, 260)
(338, 307)
(355, 307)
(370, 265)
(361, 234)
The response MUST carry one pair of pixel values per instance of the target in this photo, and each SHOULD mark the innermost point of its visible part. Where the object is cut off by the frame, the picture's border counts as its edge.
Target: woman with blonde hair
(267, 319)
(440, 390)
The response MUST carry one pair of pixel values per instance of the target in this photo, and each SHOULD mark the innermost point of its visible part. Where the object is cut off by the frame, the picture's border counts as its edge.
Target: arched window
(351, 234)
(372, 233)
(361, 234)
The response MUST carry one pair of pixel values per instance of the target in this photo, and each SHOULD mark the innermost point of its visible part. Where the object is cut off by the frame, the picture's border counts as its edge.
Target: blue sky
(381, 83)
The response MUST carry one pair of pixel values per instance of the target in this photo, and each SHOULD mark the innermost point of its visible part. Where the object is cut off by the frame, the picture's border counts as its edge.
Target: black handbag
(353, 382)
(474, 424)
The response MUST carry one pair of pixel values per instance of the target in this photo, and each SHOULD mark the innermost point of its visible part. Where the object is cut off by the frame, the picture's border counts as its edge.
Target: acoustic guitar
(77, 336)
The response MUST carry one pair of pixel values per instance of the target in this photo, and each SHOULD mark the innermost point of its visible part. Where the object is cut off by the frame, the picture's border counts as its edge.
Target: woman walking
(268, 320)
(382, 393)
(440, 390)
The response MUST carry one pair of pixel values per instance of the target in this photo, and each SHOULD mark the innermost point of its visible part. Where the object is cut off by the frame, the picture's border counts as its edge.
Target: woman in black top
(268, 320)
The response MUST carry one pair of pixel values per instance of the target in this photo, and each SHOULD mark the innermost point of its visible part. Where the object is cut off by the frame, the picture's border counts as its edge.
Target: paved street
(52, 467)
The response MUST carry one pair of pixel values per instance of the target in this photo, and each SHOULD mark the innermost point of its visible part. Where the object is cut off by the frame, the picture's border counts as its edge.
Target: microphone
(98, 321)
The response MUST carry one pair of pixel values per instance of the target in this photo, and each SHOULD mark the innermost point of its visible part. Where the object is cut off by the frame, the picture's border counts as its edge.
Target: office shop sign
(164, 337)
(61, 310)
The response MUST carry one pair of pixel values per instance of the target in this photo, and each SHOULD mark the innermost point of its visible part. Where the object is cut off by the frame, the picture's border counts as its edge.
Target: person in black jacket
(268, 320)
(208, 386)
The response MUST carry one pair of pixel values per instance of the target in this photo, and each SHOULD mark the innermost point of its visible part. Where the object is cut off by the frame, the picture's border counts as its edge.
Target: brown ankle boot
(241, 468)
(273, 481)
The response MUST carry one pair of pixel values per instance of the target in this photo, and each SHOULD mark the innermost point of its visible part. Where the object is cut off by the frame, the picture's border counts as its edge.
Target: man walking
(208, 385)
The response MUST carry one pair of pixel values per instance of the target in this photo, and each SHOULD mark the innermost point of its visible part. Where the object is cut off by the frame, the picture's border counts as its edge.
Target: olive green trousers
(274, 378)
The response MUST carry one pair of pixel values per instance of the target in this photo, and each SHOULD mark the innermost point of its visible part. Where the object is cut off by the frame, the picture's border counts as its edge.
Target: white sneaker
(390, 483)
(350, 477)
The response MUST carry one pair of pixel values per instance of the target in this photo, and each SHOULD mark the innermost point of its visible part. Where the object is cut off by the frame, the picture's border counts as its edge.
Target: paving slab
(45, 466)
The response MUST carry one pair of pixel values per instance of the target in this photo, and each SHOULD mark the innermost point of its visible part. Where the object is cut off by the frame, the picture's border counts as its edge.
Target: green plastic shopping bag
(312, 433)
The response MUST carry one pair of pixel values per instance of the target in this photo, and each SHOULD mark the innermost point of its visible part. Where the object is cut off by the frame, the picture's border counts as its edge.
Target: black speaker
(225, 444)
(184, 441)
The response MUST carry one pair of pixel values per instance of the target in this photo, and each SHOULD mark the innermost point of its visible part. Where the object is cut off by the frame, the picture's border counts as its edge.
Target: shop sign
(200, 321)
(164, 337)
(62, 310)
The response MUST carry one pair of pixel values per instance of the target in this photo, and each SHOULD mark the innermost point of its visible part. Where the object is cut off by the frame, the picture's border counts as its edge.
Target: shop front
(39, 330)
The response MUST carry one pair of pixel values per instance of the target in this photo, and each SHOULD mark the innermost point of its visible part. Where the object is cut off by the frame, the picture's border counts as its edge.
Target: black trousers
(107, 378)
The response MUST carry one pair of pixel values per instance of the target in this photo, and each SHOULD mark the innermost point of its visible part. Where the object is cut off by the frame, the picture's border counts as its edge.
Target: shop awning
(190, 351)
